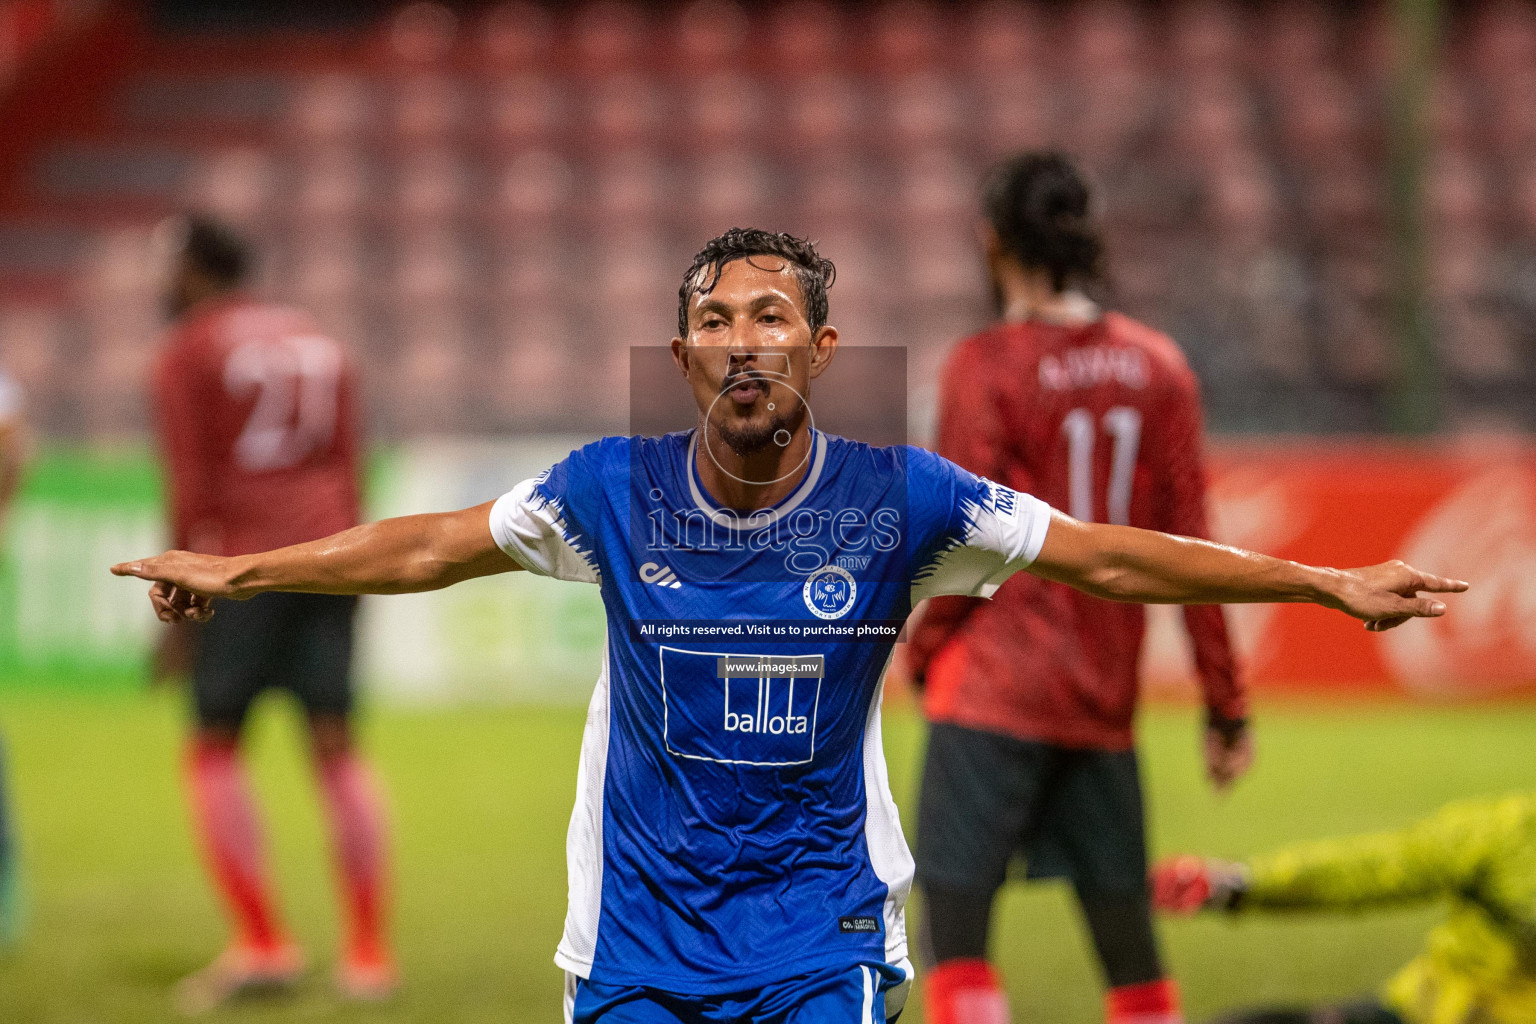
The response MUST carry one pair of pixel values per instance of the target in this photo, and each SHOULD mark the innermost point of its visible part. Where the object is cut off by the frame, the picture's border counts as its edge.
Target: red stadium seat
(723, 111)
(806, 34)
(621, 112)
(515, 38)
(1001, 38)
(609, 36)
(536, 185)
(420, 35)
(923, 112)
(235, 184)
(822, 114)
(727, 189)
(326, 268)
(330, 109)
(907, 36)
(526, 110)
(630, 190)
(709, 37)
(334, 188)
(426, 110)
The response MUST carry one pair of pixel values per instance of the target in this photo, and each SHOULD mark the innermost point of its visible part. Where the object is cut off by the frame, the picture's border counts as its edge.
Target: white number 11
(1123, 423)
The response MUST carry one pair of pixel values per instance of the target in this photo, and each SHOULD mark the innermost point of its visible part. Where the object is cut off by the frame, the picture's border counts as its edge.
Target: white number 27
(295, 381)
(1123, 423)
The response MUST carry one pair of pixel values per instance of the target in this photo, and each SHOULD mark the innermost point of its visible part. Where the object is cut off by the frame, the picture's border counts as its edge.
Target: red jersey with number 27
(1101, 421)
(255, 407)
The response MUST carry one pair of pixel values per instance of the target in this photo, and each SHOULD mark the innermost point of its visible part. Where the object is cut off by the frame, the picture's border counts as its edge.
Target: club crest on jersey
(829, 592)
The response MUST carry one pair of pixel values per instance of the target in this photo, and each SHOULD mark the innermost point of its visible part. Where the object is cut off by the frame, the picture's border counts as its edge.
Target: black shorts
(1074, 814)
(301, 643)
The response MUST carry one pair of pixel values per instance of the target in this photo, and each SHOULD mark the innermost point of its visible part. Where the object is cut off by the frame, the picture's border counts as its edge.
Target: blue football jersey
(733, 823)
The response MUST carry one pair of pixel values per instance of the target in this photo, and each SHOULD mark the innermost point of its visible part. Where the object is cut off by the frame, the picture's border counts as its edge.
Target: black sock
(956, 923)
(1121, 926)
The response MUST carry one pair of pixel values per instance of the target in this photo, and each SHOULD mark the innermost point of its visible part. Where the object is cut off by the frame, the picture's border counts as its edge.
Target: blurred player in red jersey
(256, 416)
(1032, 695)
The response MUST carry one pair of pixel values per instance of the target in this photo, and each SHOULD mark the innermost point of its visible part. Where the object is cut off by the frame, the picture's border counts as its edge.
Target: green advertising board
(65, 621)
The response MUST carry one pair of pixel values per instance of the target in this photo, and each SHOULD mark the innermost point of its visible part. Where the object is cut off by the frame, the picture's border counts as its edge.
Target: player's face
(750, 354)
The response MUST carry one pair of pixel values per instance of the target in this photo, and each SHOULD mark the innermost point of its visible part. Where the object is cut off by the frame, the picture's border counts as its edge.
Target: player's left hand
(173, 604)
(1387, 595)
(1228, 754)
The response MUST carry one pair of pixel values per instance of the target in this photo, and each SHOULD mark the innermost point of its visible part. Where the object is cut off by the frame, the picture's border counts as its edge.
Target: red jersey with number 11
(1103, 422)
(256, 414)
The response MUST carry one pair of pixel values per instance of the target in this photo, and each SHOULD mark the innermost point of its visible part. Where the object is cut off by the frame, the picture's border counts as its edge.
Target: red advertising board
(1465, 510)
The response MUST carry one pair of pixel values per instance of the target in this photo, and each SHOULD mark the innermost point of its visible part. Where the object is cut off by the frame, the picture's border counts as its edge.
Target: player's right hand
(1387, 595)
(184, 583)
(1185, 885)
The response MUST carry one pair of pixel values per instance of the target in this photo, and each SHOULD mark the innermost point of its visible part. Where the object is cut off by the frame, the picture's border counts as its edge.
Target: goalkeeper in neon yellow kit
(1479, 856)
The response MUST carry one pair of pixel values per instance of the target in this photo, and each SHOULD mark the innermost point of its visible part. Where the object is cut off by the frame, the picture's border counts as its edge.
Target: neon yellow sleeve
(1443, 854)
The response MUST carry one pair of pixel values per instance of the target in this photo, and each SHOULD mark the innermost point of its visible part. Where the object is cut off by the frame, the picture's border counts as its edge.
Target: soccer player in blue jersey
(734, 853)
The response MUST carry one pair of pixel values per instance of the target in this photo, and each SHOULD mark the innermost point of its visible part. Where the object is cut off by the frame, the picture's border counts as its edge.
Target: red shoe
(367, 978)
(237, 973)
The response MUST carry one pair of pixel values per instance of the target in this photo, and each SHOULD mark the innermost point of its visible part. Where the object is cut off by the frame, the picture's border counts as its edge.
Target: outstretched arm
(394, 556)
(1122, 563)
(1457, 850)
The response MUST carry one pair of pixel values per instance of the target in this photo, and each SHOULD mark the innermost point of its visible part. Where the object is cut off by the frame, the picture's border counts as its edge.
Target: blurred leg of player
(980, 793)
(1073, 813)
(358, 831)
(961, 987)
(320, 675)
(303, 643)
(260, 957)
(1092, 830)
(10, 868)
(1121, 926)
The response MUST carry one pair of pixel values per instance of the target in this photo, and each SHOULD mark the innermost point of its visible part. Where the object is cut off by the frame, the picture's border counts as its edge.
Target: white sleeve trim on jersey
(584, 838)
(533, 532)
(887, 845)
(1003, 535)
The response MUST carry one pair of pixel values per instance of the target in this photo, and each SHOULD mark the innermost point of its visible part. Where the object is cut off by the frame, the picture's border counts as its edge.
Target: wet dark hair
(216, 250)
(813, 271)
(1039, 205)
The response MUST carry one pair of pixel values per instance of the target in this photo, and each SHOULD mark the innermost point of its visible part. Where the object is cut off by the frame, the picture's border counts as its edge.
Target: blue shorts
(864, 993)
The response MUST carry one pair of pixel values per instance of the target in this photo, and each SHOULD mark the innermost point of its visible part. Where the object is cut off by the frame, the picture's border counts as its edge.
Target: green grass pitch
(119, 908)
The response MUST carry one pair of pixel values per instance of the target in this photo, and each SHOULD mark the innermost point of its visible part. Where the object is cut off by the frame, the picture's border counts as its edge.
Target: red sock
(230, 834)
(1155, 1002)
(964, 991)
(357, 829)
